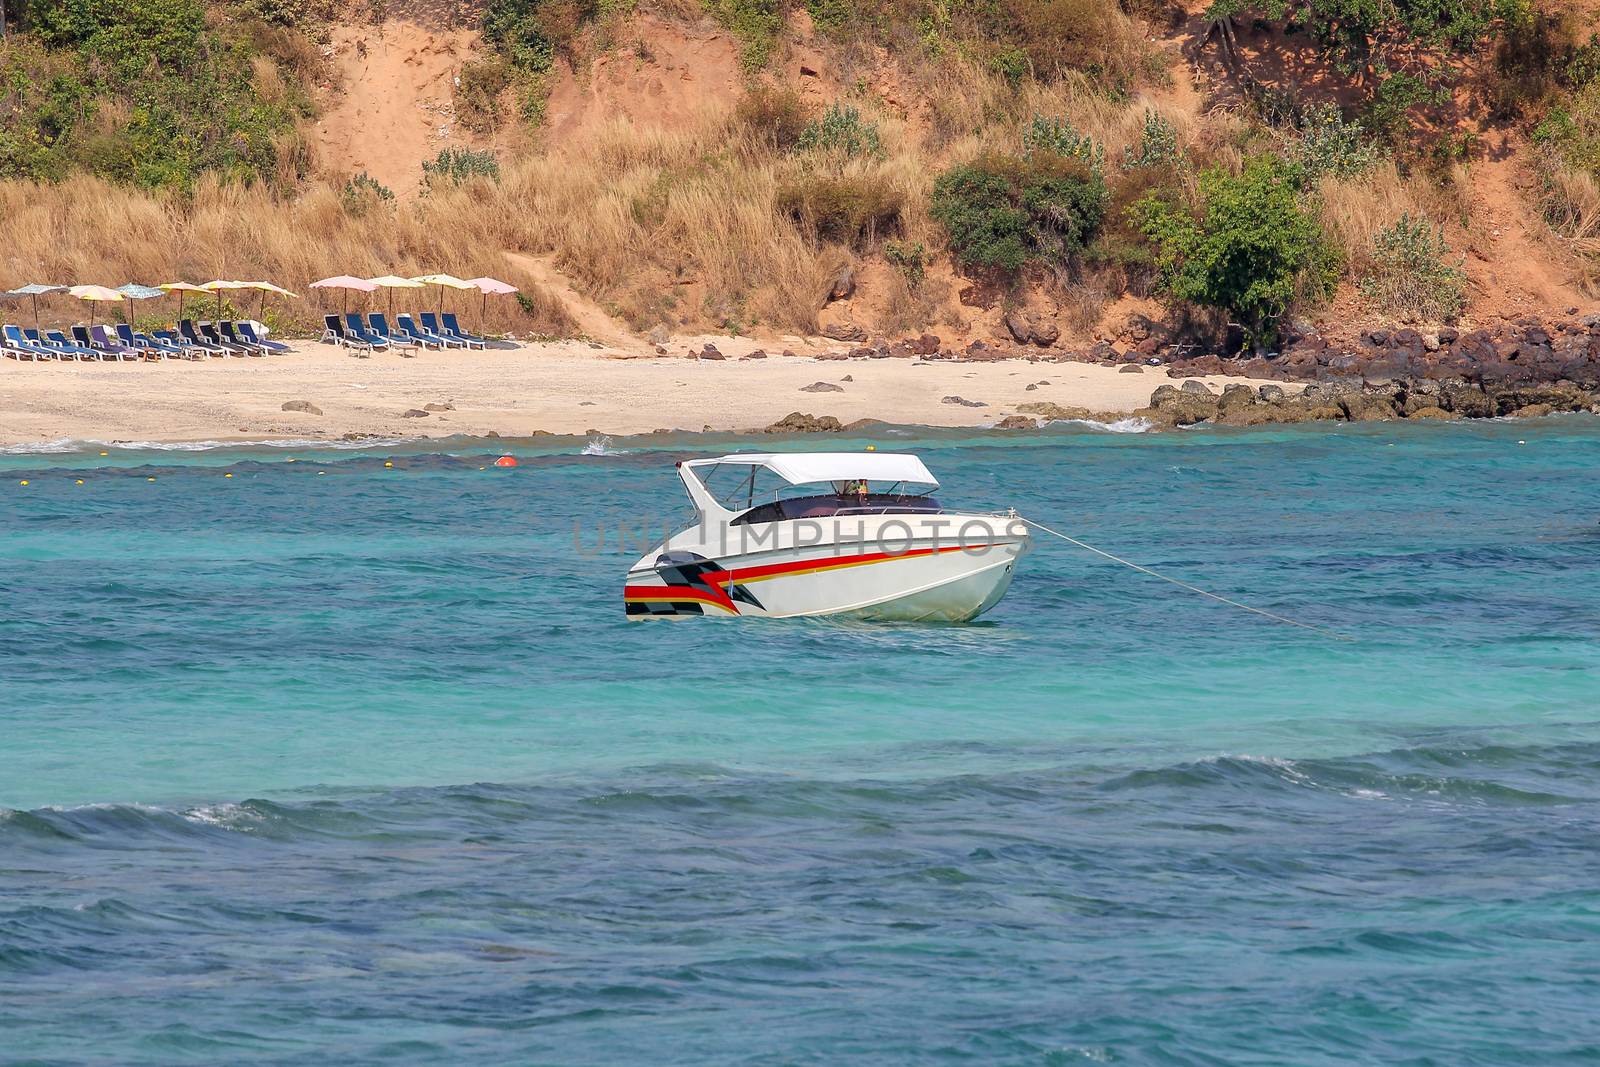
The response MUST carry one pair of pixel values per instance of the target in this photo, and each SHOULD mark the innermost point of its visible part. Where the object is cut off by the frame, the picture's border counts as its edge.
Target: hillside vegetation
(882, 166)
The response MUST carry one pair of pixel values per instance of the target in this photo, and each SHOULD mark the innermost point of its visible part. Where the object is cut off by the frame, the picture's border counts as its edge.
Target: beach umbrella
(265, 288)
(95, 294)
(219, 287)
(391, 283)
(347, 283)
(443, 281)
(135, 291)
(36, 290)
(489, 286)
(180, 288)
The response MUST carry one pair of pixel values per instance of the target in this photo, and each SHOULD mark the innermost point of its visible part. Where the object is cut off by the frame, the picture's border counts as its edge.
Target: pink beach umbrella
(489, 286)
(347, 283)
(95, 294)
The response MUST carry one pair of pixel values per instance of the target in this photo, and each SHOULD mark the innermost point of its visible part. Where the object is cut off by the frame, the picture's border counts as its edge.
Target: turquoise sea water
(333, 761)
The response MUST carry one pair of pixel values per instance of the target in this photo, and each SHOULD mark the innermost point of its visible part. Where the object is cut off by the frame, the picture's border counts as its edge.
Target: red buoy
(506, 461)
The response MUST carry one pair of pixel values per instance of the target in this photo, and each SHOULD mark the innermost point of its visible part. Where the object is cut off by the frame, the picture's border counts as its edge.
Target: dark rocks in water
(822, 387)
(798, 422)
(302, 405)
(1016, 422)
(962, 401)
(1051, 412)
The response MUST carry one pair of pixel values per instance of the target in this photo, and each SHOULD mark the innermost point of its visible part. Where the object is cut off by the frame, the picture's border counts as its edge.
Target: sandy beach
(563, 388)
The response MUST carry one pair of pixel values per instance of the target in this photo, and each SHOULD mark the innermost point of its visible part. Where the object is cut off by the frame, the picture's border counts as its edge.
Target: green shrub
(1412, 275)
(754, 22)
(1325, 142)
(1571, 132)
(458, 165)
(531, 33)
(1058, 137)
(1158, 144)
(909, 258)
(1003, 213)
(478, 92)
(1250, 246)
(841, 130)
(852, 209)
(774, 117)
(361, 192)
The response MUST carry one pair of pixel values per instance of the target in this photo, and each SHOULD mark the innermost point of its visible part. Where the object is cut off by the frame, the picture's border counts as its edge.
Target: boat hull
(946, 568)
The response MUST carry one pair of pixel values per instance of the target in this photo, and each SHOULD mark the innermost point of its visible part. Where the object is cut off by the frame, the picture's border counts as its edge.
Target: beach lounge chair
(186, 331)
(450, 324)
(101, 342)
(380, 327)
(408, 326)
(58, 341)
(357, 330)
(248, 332)
(430, 322)
(80, 334)
(209, 331)
(153, 346)
(19, 347)
(131, 342)
(176, 340)
(232, 336)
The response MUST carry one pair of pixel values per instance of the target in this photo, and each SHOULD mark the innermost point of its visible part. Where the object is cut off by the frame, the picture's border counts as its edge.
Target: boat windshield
(764, 496)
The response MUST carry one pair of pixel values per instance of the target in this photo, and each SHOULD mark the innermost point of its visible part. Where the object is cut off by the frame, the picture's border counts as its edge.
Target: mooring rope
(1185, 585)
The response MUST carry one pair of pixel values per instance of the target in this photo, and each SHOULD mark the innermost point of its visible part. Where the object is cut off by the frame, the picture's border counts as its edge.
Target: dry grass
(1570, 202)
(1354, 209)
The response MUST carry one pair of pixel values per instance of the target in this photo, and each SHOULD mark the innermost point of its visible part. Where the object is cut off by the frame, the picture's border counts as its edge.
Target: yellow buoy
(23, 482)
(228, 475)
(322, 472)
(80, 481)
(149, 479)
(386, 463)
(105, 453)
(872, 448)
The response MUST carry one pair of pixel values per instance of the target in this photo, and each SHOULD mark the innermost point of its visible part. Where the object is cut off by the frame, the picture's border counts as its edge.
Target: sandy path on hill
(565, 388)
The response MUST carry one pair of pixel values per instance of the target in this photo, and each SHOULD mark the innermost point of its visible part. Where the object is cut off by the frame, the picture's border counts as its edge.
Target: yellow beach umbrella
(444, 281)
(219, 286)
(390, 282)
(95, 294)
(265, 288)
(180, 288)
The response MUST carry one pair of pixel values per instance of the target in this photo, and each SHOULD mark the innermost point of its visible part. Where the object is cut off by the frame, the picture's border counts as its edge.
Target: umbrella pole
(35, 312)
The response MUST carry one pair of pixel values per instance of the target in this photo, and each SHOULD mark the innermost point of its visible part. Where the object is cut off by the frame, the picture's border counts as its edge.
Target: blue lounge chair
(356, 329)
(380, 326)
(129, 339)
(449, 319)
(101, 340)
(248, 332)
(17, 346)
(430, 322)
(56, 342)
(231, 336)
(80, 335)
(186, 331)
(159, 348)
(408, 326)
(209, 331)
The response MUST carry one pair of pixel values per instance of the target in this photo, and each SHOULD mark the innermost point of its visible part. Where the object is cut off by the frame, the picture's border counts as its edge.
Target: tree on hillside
(1248, 246)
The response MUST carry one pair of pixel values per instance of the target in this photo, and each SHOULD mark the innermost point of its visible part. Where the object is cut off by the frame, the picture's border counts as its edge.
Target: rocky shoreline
(1524, 368)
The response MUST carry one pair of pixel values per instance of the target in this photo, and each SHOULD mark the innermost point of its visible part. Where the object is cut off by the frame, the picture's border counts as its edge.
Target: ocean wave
(1127, 425)
(601, 446)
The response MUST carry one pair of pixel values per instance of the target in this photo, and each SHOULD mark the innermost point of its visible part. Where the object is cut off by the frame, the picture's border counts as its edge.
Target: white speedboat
(853, 534)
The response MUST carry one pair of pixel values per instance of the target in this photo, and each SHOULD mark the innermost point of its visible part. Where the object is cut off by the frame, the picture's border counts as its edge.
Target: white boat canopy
(802, 468)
